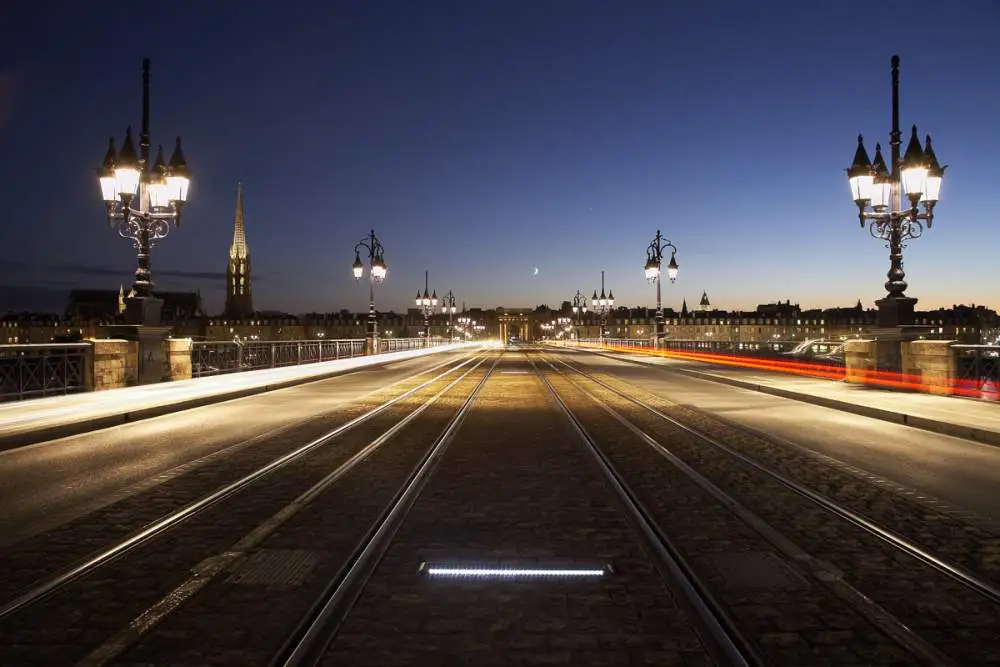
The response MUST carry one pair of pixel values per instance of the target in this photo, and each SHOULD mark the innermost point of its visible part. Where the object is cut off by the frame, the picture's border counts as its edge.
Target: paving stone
(518, 481)
(89, 611)
(919, 597)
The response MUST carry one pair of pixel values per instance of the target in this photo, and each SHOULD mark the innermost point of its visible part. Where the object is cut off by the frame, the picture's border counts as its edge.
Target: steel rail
(718, 630)
(958, 573)
(314, 634)
(50, 584)
(895, 629)
(213, 566)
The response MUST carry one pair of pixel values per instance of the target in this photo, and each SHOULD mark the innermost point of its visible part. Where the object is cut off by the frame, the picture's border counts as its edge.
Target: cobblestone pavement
(516, 488)
(957, 621)
(63, 628)
(274, 587)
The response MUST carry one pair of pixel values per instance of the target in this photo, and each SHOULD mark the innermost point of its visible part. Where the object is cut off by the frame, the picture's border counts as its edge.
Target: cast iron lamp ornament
(448, 306)
(427, 303)
(579, 308)
(602, 304)
(889, 200)
(162, 191)
(377, 271)
(654, 259)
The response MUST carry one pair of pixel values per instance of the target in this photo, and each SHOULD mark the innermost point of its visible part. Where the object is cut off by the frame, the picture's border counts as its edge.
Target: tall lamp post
(162, 191)
(377, 271)
(603, 305)
(427, 303)
(654, 258)
(448, 306)
(579, 309)
(888, 200)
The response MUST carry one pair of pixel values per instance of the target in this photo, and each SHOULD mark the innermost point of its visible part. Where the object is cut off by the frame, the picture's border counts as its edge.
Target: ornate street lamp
(602, 305)
(448, 306)
(377, 272)
(162, 190)
(427, 303)
(654, 258)
(579, 309)
(889, 198)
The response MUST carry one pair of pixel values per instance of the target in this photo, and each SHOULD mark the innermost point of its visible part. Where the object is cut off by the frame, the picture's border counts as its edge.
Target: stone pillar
(116, 364)
(931, 363)
(152, 364)
(179, 358)
(859, 360)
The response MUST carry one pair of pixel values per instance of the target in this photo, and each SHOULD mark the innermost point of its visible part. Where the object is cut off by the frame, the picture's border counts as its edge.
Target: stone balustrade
(928, 365)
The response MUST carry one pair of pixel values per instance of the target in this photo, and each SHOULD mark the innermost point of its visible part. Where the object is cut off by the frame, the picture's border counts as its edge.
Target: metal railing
(31, 371)
(978, 367)
(404, 344)
(770, 348)
(217, 357)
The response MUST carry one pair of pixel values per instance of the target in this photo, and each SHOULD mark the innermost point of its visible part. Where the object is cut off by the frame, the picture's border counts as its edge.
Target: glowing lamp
(652, 269)
(178, 177)
(935, 174)
(914, 173)
(672, 267)
(881, 190)
(106, 174)
(860, 175)
(379, 269)
(127, 167)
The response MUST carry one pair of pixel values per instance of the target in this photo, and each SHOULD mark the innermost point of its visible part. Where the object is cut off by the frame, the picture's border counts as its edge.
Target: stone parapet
(933, 363)
(859, 360)
(179, 358)
(115, 364)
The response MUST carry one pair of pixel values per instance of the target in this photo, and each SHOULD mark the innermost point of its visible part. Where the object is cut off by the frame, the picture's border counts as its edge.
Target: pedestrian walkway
(965, 418)
(36, 420)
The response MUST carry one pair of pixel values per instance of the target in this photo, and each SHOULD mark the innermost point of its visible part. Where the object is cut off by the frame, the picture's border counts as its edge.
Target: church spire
(239, 294)
(239, 248)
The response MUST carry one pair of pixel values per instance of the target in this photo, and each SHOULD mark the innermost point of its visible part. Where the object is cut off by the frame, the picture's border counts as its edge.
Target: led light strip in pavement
(512, 572)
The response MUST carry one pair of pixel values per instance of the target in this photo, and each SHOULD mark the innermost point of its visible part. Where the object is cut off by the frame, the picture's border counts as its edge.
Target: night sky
(483, 139)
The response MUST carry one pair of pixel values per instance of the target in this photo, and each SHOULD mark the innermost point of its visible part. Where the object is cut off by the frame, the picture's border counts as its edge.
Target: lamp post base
(143, 311)
(889, 345)
(895, 311)
(152, 359)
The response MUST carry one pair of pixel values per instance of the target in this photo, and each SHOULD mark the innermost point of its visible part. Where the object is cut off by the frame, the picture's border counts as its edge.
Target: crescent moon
(536, 271)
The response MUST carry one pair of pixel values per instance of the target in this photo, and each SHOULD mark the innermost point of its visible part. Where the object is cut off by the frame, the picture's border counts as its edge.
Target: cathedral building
(239, 293)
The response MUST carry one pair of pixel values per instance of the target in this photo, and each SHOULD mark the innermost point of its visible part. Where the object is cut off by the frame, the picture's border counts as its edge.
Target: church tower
(239, 297)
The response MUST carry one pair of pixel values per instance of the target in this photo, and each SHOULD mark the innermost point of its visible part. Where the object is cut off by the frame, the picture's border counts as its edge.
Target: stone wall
(116, 364)
(178, 355)
(933, 363)
(859, 360)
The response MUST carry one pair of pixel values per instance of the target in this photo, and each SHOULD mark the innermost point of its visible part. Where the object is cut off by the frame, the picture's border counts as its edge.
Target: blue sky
(482, 139)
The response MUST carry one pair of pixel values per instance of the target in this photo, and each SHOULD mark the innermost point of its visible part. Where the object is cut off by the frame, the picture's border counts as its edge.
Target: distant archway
(515, 326)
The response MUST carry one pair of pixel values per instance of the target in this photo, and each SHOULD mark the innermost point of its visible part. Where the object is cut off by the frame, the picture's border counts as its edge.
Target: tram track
(316, 631)
(916, 594)
(303, 464)
(311, 643)
(718, 630)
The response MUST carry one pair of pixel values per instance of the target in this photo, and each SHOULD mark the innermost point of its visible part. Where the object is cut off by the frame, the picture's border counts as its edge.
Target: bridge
(565, 502)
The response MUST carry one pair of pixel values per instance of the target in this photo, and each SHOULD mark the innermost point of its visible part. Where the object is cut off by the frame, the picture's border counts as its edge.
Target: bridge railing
(977, 367)
(29, 371)
(217, 357)
(770, 348)
(404, 344)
